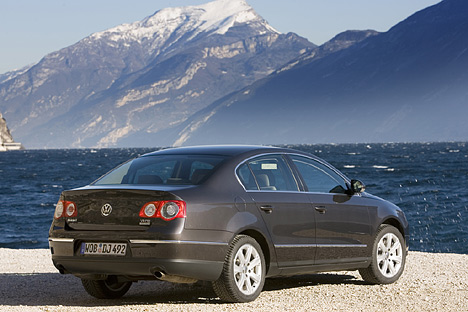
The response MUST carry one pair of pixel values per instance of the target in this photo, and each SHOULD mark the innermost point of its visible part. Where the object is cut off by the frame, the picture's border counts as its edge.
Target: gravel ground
(431, 282)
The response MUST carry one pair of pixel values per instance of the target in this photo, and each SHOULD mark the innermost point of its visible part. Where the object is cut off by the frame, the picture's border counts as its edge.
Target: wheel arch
(397, 224)
(262, 241)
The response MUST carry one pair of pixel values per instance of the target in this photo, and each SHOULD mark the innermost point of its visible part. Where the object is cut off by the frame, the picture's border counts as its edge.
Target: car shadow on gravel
(297, 281)
(53, 289)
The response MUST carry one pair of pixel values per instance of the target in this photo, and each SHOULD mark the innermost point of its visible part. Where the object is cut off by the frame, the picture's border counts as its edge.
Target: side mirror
(357, 187)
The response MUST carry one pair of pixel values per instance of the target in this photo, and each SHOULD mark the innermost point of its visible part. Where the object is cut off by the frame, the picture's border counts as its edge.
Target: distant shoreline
(431, 282)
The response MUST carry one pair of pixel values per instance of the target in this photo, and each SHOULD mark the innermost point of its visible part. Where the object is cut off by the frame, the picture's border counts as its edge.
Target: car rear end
(135, 230)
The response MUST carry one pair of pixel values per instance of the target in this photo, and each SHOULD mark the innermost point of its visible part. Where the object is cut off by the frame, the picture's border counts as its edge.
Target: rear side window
(270, 173)
(246, 177)
(163, 170)
(318, 177)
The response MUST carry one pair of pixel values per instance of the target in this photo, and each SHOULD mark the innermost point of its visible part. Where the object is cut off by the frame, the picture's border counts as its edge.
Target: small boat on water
(12, 146)
(6, 140)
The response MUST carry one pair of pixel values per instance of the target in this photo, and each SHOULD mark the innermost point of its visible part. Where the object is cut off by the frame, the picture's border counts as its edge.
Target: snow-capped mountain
(407, 84)
(139, 79)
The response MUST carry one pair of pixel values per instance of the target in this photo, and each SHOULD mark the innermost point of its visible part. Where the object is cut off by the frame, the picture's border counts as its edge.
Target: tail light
(167, 210)
(65, 209)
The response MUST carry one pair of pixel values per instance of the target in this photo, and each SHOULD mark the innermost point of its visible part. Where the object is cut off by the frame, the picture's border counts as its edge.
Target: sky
(30, 29)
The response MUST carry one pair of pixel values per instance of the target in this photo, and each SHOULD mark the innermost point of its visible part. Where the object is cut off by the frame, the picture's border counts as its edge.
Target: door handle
(267, 208)
(321, 209)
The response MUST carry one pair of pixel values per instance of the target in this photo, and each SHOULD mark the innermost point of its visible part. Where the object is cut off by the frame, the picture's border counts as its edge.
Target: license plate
(113, 249)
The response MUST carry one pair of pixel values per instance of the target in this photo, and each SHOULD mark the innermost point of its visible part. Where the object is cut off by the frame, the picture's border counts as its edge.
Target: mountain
(341, 41)
(407, 84)
(137, 80)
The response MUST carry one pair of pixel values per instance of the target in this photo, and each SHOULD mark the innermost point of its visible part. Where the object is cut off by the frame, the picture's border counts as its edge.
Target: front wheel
(110, 288)
(388, 257)
(243, 274)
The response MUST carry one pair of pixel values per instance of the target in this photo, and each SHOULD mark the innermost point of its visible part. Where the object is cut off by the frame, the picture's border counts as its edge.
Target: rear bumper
(198, 260)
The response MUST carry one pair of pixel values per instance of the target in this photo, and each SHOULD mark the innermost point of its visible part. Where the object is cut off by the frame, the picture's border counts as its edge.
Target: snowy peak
(131, 84)
(215, 17)
(218, 15)
(404, 85)
(221, 15)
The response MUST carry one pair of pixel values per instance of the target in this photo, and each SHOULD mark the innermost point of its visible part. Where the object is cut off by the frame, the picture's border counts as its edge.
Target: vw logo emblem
(106, 210)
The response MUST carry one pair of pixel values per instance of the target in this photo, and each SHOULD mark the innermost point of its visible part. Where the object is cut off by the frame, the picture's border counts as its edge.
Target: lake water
(429, 181)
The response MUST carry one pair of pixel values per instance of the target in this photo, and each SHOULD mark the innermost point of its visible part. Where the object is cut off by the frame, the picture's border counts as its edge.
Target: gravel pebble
(431, 282)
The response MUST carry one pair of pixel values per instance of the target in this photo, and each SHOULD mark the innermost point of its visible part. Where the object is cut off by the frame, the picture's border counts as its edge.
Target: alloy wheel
(389, 255)
(247, 269)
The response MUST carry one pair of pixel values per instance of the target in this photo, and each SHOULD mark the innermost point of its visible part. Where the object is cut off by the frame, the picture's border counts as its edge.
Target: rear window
(163, 170)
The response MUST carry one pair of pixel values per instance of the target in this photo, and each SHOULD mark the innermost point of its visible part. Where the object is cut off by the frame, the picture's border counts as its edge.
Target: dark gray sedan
(232, 215)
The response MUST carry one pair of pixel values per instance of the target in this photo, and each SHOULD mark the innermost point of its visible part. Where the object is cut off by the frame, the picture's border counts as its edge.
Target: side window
(246, 177)
(272, 173)
(318, 177)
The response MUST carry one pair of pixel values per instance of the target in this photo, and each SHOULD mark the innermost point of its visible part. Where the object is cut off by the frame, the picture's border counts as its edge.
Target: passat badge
(145, 222)
(106, 210)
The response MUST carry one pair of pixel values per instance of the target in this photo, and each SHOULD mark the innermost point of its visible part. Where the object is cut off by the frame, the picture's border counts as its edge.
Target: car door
(342, 220)
(287, 213)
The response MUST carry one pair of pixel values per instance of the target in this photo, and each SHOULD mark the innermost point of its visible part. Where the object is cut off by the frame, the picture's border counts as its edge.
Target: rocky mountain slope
(408, 84)
(6, 140)
(143, 78)
(5, 135)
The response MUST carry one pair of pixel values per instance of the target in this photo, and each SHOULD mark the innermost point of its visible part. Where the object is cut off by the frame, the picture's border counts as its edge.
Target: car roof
(236, 153)
(222, 150)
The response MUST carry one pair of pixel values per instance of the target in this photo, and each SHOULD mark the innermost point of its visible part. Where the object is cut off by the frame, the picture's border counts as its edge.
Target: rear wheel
(110, 288)
(388, 257)
(243, 273)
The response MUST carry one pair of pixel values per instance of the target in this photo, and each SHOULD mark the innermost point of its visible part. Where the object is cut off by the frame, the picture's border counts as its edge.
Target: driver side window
(318, 177)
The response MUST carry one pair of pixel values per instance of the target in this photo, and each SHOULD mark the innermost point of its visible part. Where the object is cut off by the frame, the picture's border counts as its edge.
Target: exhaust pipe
(174, 278)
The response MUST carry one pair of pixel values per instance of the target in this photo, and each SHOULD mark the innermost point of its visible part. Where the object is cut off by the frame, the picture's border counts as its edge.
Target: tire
(243, 274)
(388, 257)
(110, 288)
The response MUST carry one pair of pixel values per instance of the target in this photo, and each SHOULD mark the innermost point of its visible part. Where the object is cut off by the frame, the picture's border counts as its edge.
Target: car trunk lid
(112, 209)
